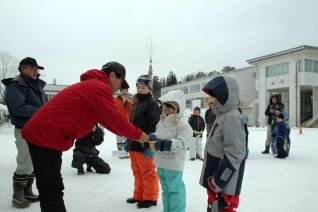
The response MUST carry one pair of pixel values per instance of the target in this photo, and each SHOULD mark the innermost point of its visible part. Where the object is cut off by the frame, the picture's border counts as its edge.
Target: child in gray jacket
(225, 151)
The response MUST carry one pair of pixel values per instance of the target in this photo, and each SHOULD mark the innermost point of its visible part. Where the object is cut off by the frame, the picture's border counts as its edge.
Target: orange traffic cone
(301, 129)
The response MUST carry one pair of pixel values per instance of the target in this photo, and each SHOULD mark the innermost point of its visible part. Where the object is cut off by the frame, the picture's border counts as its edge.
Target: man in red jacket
(69, 115)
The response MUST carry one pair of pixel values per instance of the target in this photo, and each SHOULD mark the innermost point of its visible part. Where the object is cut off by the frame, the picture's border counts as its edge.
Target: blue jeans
(173, 190)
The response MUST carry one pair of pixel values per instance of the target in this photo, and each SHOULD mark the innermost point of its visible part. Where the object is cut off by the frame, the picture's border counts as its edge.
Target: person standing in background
(210, 116)
(24, 97)
(198, 126)
(124, 103)
(271, 111)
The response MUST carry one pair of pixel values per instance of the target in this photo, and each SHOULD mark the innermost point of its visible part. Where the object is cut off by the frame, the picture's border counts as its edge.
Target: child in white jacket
(170, 141)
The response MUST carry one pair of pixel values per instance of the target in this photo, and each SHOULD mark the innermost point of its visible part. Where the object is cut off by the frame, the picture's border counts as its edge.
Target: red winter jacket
(73, 113)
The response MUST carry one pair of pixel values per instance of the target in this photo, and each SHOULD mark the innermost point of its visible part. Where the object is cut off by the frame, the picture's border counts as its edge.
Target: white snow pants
(195, 147)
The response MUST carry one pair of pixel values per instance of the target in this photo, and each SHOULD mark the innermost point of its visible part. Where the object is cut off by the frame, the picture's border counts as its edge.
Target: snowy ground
(269, 184)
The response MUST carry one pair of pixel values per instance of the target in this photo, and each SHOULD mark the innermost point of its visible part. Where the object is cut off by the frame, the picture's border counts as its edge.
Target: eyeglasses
(35, 69)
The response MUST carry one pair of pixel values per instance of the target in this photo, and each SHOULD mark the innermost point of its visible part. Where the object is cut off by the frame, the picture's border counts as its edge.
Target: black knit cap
(145, 80)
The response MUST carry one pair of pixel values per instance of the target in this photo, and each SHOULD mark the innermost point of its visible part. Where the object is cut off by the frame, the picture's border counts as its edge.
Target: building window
(188, 103)
(184, 89)
(316, 66)
(277, 69)
(311, 65)
(301, 65)
(195, 88)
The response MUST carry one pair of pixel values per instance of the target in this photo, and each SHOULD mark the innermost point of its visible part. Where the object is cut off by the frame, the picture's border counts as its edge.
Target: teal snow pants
(173, 190)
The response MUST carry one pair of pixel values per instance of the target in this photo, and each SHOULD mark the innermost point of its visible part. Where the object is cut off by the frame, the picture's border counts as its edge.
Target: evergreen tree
(227, 69)
(211, 73)
(156, 87)
(171, 79)
(200, 74)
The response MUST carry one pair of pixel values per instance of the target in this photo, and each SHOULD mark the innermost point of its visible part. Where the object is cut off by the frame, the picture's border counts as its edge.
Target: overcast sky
(69, 37)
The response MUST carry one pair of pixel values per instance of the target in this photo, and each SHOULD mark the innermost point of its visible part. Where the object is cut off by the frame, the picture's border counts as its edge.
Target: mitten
(148, 153)
(212, 185)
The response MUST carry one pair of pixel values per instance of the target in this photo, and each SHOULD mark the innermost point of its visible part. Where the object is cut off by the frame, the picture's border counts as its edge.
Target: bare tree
(8, 68)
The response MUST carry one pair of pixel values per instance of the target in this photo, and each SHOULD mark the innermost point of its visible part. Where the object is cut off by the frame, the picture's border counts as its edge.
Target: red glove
(213, 186)
(211, 196)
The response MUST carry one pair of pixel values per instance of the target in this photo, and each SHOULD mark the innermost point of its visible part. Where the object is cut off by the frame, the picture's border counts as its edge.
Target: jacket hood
(226, 90)
(19, 79)
(175, 96)
(6, 81)
(94, 74)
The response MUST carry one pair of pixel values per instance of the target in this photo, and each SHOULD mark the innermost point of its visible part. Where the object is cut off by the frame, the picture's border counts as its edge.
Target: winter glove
(212, 185)
(126, 144)
(152, 137)
(97, 136)
(197, 134)
(216, 202)
(149, 153)
(157, 144)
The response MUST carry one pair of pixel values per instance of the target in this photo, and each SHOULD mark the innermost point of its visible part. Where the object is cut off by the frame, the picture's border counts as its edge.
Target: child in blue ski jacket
(281, 140)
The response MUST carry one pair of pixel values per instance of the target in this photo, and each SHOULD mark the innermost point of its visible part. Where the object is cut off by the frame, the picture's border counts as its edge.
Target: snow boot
(120, 146)
(266, 151)
(19, 184)
(89, 168)
(198, 157)
(147, 203)
(132, 200)
(80, 170)
(29, 195)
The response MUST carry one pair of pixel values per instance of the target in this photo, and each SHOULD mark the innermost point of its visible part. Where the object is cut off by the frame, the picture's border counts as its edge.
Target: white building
(52, 89)
(248, 95)
(291, 73)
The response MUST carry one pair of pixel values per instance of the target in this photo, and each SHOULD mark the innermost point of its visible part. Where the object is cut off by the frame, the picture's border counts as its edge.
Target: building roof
(52, 87)
(207, 78)
(281, 53)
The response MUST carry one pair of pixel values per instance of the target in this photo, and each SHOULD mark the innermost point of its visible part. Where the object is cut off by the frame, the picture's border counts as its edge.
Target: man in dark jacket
(85, 152)
(70, 115)
(274, 108)
(198, 126)
(24, 97)
(210, 116)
